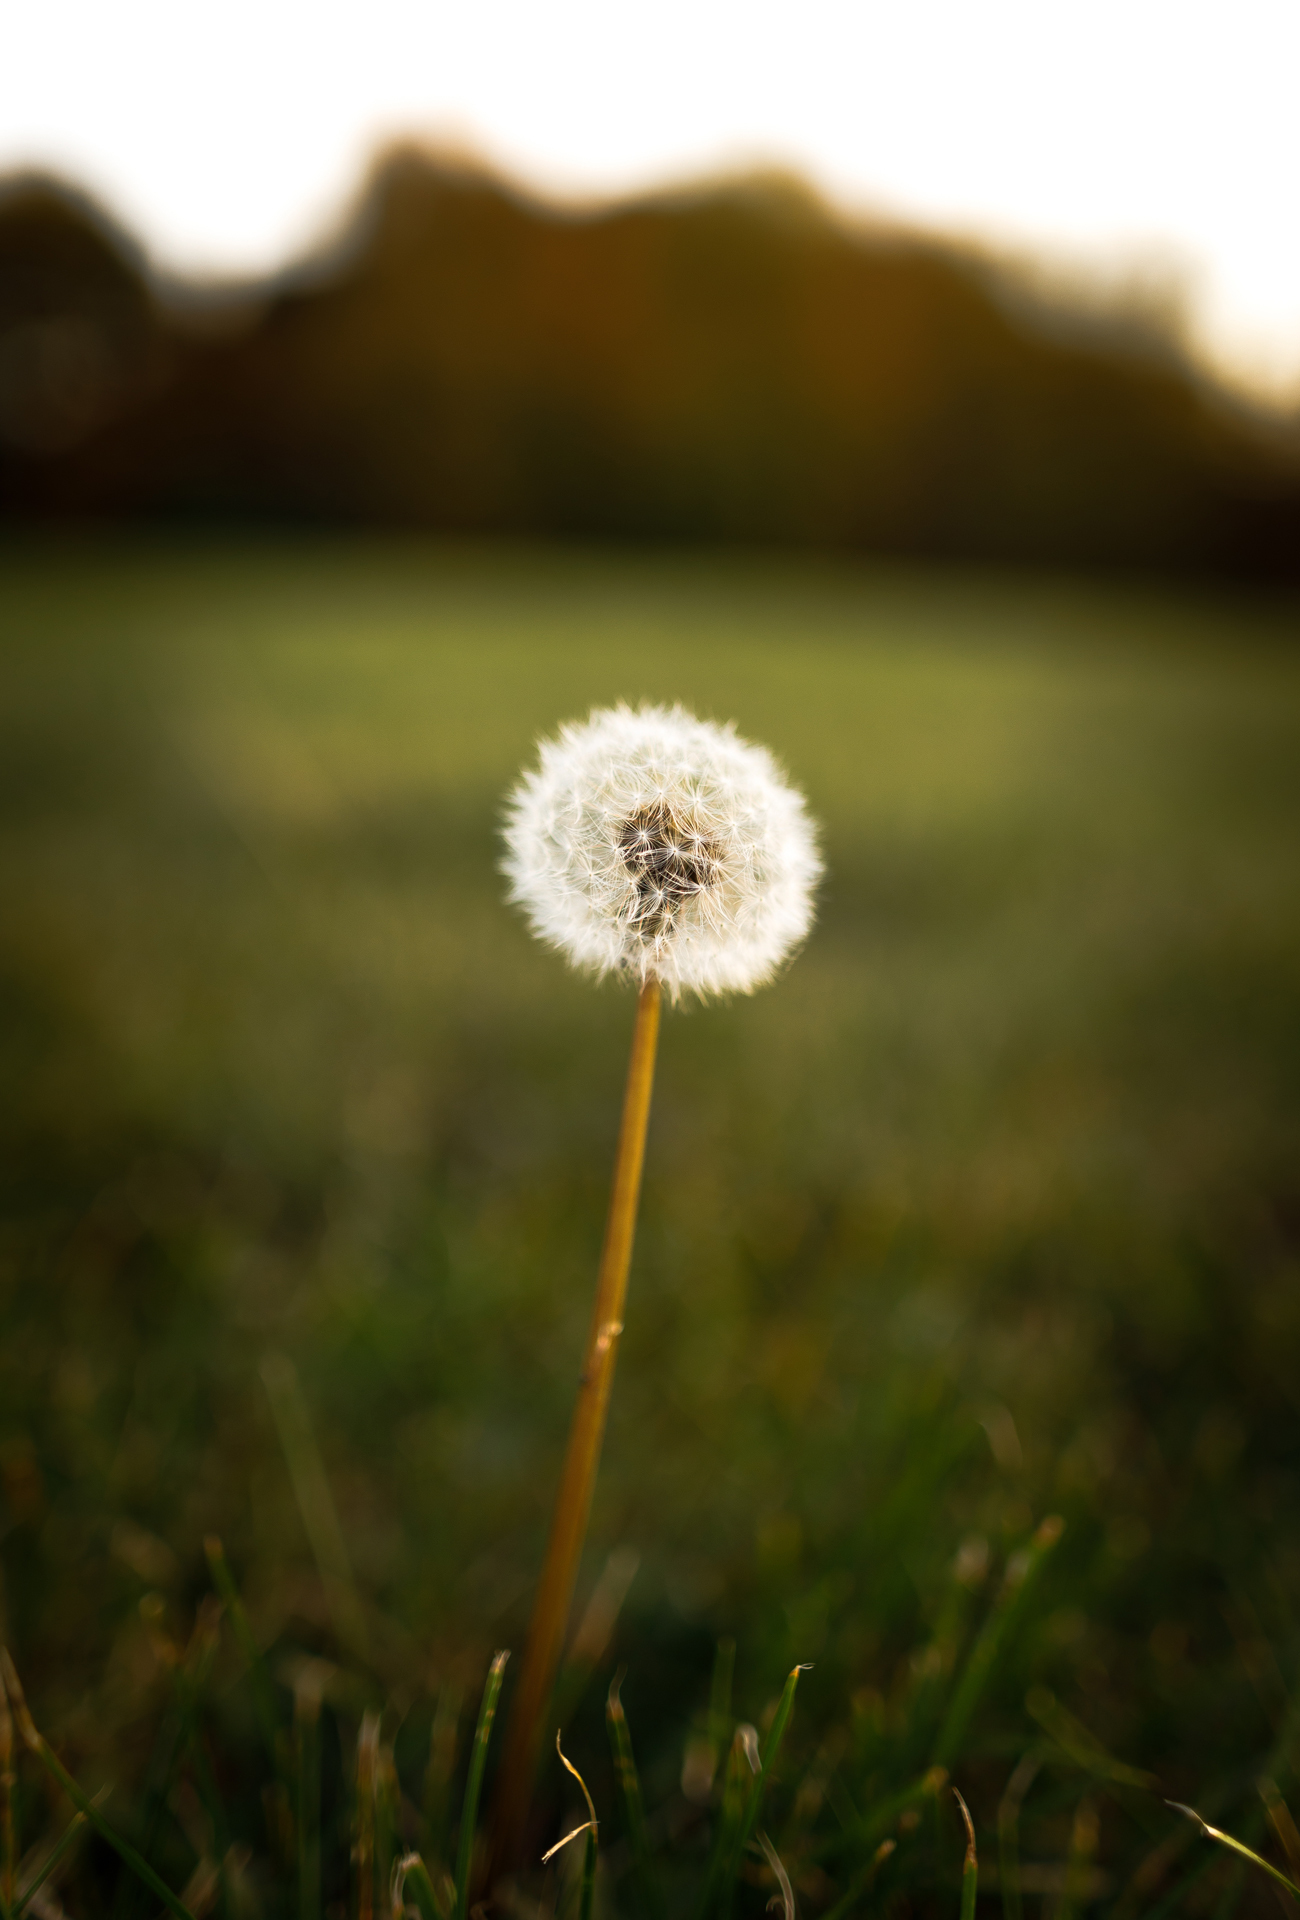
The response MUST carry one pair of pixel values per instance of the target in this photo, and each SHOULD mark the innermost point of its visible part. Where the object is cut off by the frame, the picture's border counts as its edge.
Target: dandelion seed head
(651, 843)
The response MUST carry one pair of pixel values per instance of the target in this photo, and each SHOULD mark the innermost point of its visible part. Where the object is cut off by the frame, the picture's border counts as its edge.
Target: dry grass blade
(774, 1861)
(1242, 1851)
(37, 1744)
(591, 1829)
(560, 1845)
(590, 1824)
(970, 1873)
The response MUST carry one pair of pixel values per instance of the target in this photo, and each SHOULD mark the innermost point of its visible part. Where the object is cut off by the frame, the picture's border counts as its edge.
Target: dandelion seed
(651, 843)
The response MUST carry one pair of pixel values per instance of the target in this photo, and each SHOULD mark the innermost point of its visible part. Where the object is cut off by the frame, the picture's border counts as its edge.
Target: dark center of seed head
(668, 861)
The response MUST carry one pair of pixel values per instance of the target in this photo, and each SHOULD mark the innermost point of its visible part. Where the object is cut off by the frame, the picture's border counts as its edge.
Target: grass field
(987, 1210)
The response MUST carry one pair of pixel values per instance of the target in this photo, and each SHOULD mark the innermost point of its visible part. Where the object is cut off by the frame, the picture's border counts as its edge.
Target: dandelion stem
(529, 1711)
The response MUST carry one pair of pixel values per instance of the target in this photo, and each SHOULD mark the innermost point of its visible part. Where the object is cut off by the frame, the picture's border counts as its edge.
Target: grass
(985, 1213)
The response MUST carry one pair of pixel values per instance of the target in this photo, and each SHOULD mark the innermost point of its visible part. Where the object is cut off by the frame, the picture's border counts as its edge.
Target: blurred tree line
(728, 364)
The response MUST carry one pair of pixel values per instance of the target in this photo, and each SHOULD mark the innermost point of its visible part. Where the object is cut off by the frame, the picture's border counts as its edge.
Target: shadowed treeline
(730, 364)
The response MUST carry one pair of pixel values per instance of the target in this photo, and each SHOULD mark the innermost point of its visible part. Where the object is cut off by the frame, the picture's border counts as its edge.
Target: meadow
(984, 1216)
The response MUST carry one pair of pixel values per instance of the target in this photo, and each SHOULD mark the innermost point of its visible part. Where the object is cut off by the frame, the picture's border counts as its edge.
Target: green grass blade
(875, 1824)
(1081, 1745)
(620, 1740)
(706, 1748)
(8, 1810)
(263, 1691)
(1009, 1807)
(724, 1668)
(163, 1768)
(862, 1882)
(306, 1721)
(1279, 1818)
(364, 1827)
(588, 1876)
(38, 1745)
(742, 1764)
(315, 1501)
(388, 1816)
(57, 1853)
(474, 1784)
(189, 1680)
(411, 1874)
(754, 1798)
(1083, 1850)
(970, 1873)
(781, 1720)
(966, 1579)
(439, 1771)
(1238, 1847)
(770, 1749)
(993, 1636)
(594, 1631)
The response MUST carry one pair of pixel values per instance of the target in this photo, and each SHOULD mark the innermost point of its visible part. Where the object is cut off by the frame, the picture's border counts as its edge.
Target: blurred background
(744, 364)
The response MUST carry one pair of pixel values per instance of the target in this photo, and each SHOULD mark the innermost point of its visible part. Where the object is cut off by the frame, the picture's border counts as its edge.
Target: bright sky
(1148, 138)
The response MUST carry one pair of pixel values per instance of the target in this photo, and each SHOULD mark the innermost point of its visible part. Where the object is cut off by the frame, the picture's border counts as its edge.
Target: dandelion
(658, 845)
(654, 845)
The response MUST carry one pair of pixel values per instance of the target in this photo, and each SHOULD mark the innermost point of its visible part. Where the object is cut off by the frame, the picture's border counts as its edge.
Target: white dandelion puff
(651, 843)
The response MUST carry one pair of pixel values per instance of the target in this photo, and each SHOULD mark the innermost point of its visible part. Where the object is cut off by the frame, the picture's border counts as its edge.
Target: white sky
(1149, 138)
